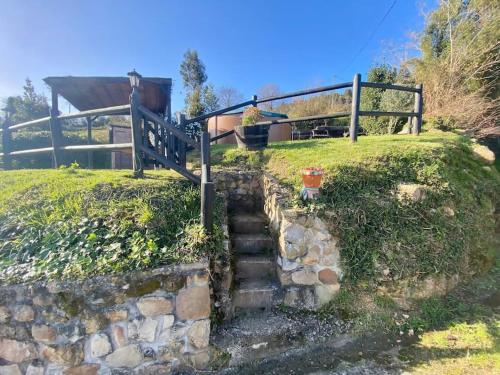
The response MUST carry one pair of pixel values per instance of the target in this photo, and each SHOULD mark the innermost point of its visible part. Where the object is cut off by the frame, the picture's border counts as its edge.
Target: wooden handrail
(387, 113)
(389, 86)
(32, 151)
(108, 111)
(306, 92)
(219, 112)
(30, 123)
(179, 134)
(221, 135)
(112, 146)
(170, 164)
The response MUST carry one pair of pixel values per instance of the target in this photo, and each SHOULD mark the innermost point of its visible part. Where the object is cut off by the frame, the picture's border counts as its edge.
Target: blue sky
(244, 44)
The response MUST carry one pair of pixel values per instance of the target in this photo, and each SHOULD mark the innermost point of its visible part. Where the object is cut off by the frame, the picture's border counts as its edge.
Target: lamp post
(135, 120)
(135, 79)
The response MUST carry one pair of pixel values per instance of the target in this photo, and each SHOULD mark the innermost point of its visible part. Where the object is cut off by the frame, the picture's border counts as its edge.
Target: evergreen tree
(29, 106)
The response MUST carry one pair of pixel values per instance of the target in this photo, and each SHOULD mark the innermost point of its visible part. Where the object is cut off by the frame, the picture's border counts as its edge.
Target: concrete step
(252, 243)
(254, 294)
(255, 267)
(247, 223)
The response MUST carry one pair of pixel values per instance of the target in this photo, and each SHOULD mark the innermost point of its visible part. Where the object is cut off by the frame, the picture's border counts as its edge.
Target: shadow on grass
(460, 338)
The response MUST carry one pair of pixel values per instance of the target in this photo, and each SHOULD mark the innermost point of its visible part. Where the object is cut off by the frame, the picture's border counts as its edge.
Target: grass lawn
(286, 159)
(75, 222)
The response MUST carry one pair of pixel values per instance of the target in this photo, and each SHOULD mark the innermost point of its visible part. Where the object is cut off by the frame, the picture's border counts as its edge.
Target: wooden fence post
(90, 154)
(55, 130)
(6, 143)
(182, 145)
(356, 96)
(207, 186)
(418, 108)
(135, 123)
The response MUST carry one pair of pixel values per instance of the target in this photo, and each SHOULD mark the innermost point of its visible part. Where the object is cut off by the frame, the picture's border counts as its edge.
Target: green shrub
(440, 123)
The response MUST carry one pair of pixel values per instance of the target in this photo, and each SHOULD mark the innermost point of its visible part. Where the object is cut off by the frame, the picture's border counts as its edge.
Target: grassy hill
(451, 230)
(74, 223)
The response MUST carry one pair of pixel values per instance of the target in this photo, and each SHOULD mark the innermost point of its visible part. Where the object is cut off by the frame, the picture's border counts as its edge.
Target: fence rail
(158, 139)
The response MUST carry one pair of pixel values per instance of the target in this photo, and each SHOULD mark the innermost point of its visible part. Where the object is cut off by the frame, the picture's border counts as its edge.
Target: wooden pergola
(88, 94)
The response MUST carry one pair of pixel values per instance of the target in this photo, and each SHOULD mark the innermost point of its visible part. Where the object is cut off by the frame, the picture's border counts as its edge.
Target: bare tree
(266, 91)
(229, 96)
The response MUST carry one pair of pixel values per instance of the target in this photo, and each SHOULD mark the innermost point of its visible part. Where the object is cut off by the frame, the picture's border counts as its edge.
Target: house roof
(86, 93)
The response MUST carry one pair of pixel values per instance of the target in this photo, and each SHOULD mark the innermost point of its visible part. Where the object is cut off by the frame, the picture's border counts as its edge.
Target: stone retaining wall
(241, 189)
(143, 323)
(308, 262)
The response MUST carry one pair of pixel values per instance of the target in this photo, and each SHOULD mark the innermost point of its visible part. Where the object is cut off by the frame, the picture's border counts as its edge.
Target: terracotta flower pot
(311, 177)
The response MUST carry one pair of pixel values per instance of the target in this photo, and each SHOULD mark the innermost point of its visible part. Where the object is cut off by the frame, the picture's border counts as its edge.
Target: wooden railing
(54, 124)
(356, 85)
(170, 143)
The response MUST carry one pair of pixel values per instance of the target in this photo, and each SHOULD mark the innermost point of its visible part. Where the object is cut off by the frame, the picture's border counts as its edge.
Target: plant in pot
(311, 178)
(250, 136)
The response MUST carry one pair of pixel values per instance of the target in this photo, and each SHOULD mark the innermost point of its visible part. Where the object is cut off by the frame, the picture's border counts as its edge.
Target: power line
(370, 37)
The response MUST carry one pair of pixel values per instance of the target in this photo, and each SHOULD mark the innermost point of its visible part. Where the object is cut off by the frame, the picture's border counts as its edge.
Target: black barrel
(252, 137)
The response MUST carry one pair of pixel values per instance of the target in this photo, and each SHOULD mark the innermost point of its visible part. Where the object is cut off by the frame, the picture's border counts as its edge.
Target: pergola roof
(86, 93)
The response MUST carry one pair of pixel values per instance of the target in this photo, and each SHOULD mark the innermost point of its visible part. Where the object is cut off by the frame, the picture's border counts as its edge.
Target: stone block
(34, 370)
(193, 303)
(127, 356)
(117, 315)
(171, 351)
(325, 293)
(293, 233)
(10, 370)
(313, 255)
(291, 251)
(151, 306)
(484, 153)
(44, 333)
(69, 355)
(285, 278)
(4, 314)
(24, 313)
(119, 335)
(199, 334)
(155, 369)
(42, 300)
(412, 192)
(199, 360)
(166, 321)
(327, 276)
(17, 351)
(302, 298)
(305, 276)
(99, 345)
(147, 330)
(88, 369)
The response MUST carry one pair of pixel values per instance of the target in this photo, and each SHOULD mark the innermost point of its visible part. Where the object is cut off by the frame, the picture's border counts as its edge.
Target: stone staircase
(256, 286)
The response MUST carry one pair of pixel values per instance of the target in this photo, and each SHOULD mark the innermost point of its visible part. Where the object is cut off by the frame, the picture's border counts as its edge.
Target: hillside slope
(452, 230)
(74, 223)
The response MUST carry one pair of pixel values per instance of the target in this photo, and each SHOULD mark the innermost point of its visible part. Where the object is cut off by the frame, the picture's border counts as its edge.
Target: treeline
(460, 65)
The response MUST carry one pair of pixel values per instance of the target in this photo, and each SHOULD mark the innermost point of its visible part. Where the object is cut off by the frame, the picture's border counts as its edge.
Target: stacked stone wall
(145, 323)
